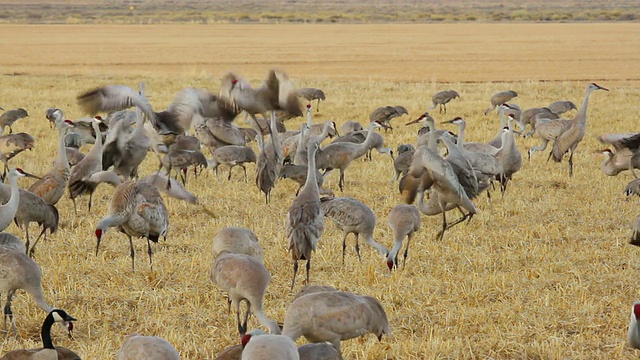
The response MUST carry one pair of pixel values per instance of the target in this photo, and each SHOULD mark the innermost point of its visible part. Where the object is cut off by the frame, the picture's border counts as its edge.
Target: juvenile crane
(404, 220)
(562, 106)
(311, 94)
(570, 138)
(500, 98)
(243, 277)
(334, 316)
(10, 117)
(442, 98)
(231, 156)
(305, 220)
(352, 216)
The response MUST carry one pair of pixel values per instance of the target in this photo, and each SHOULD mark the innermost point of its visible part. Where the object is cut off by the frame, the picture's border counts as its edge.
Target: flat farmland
(545, 272)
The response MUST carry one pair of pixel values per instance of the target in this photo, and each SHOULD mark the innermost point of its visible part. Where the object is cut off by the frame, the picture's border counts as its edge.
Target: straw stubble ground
(545, 272)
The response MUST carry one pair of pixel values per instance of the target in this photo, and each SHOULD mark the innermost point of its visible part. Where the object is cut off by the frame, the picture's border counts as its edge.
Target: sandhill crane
(10, 117)
(627, 155)
(81, 173)
(32, 208)
(562, 106)
(500, 98)
(404, 220)
(423, 134)
(430, 170)
(305, 221)
(340, 155)
(547, 130)
(233, 155)
(470, 146)
(269, 163)
(350, 126)
(181, 160)
(352, 216)
(74, 156)
(442, 98)
(9, 209)
(509, 157)
(298, 173)
(11, 241)
(50, 114)
(570, 138)
(376, 142)
(262, 346)
(237, 240)
(328, 128)
(136, 209)
(529, 116)
(311, 94)
(18, 271)
(188, 105)
(277, 93)
(48, 351)
(138, 347)
(124, 149)
(51, 186)
(334, 316)
(243, 277)
(633, 335)
(12, 145)
(385, 114)
(308, 289)
(402, 163)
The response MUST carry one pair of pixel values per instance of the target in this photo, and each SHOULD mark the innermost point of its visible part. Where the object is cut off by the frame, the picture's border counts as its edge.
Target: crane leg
(90, 198)
(244, 168)
(358, 247)
(341, 181)
(32, 251)
(229, 177)
(28, 240)
(571, 164)
(295, 271)
(150, 252)
(318, 106)
(75, 209)
(10, 130)
(406, 250)
(240, 330)
(243, 329)
(132, 254)
(344, 245)
(308, 268)
(444, 224)
(8, 314)
(229, 304)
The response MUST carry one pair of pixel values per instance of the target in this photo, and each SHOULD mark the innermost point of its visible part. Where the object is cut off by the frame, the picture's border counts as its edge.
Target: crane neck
(503, 119)
(309, 118)
(461, 128)
(432, 143)
(581, 115)
(275, 137)
(61, 159)
(312, 182)
(111, 221)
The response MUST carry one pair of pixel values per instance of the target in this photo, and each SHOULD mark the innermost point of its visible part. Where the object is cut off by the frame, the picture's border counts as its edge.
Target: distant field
(312, 11)
(543, 273)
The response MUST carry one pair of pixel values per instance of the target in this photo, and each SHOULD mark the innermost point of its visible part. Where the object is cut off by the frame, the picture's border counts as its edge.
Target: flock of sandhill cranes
(323, 315)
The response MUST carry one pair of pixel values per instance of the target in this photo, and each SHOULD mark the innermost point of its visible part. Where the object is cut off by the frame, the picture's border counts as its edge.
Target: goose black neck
(46, 332)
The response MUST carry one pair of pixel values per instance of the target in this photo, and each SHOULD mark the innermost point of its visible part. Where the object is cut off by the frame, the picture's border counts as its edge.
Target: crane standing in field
(136, 209)
(404, 220)
(305, 220)
(570, 138)
(51, 186)
(311, 94)
(500, 98)
(442, 98)
(385, 114)
(12, 145)
(10, 117)
(352, 216)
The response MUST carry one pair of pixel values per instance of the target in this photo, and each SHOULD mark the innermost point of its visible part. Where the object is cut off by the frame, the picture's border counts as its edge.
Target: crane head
(308, 107)
(390, 265)
(456, 121)
(98, 117)
(636, 310)
(22, 173)
(69, 122)
(595, 86)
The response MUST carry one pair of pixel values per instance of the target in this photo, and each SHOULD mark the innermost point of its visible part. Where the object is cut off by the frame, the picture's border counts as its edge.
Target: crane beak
(602, 88)
(413, 121)
(30, 175)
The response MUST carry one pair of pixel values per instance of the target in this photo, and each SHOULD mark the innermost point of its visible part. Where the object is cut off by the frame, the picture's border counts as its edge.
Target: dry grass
(544, 273)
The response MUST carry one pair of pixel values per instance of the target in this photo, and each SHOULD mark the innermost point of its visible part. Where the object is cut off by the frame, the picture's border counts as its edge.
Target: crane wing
(620, 141)
(564, 142)
(113, 98)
